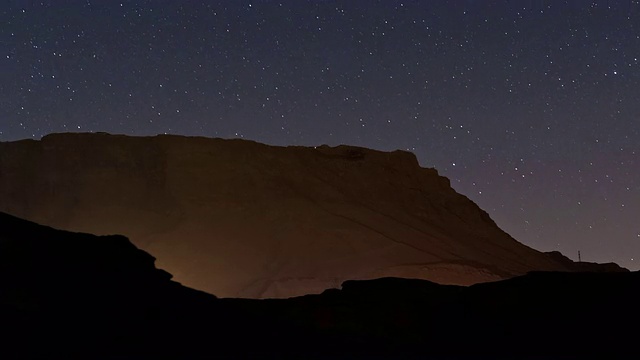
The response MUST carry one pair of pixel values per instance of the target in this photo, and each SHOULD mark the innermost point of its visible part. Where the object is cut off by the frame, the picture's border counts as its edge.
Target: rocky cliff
(243, 219)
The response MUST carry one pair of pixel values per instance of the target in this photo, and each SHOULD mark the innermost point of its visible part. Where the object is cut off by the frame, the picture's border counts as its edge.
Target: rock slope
(242, 219)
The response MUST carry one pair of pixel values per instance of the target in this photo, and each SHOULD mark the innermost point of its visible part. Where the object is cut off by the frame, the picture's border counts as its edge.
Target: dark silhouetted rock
(243, 219)
(69, 295)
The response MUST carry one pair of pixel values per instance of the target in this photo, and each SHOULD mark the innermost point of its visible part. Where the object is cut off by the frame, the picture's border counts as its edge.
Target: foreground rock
(65, 294)
(242, 219)
(68, 295)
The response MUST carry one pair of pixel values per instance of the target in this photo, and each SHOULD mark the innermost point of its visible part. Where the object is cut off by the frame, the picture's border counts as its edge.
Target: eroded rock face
(242, 219)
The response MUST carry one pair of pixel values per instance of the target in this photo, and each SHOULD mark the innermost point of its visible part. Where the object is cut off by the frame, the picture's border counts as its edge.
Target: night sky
(531, 108)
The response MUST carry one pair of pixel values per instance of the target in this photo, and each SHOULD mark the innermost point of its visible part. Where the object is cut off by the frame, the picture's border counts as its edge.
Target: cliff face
(243, 219)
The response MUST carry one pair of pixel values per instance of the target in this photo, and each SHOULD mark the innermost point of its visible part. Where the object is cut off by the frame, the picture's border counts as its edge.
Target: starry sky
(531, 108)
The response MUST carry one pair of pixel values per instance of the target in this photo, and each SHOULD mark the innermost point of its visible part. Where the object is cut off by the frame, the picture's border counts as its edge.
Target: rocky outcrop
(239, 218)
(67, 295)
(585, 266)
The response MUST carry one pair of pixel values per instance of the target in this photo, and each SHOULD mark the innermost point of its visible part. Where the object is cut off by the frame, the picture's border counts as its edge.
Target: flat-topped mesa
(240, 218)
